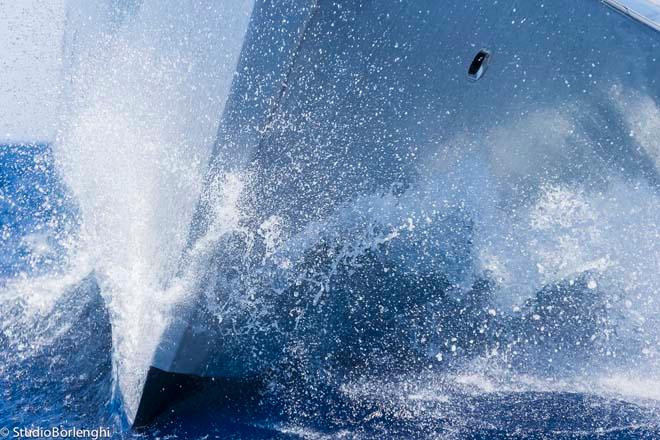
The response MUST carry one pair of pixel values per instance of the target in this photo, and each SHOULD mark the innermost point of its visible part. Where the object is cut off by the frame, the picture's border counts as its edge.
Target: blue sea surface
(56, 368)
(33, 207)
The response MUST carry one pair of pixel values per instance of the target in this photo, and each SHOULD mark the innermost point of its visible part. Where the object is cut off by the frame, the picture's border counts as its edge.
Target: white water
(147, 83)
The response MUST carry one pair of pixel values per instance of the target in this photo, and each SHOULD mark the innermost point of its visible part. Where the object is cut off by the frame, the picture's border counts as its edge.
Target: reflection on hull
(635, 15)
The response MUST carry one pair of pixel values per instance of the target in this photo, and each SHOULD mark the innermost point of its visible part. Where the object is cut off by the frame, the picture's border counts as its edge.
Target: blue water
(33, 207)
(56, 368)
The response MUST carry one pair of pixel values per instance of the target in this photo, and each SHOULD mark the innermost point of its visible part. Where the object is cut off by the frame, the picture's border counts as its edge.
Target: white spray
(147, 83)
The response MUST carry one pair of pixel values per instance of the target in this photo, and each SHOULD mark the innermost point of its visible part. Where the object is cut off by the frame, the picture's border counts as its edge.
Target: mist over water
(520, 259)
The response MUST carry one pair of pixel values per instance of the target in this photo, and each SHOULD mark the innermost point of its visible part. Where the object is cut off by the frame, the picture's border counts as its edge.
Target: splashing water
(523, 259)
(147, 83)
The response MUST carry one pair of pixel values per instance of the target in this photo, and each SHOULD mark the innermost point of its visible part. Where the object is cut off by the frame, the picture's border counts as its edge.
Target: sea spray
(147, 82)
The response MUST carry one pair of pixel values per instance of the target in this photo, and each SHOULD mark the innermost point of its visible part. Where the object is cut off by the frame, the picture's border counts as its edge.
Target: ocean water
(56, 361)
(388, 260)
(57, 368)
